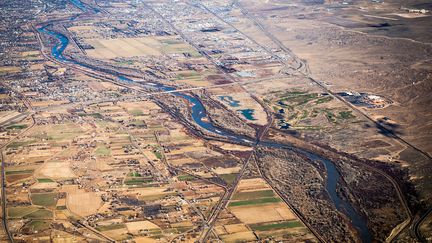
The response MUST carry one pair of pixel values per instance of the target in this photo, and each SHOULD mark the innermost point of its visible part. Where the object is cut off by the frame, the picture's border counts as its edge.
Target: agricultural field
(44, 199)
(271, 217)
(132, 47)
(15, 174)
(129, 160)
(215, 121)
(193, 78)
(80, 202)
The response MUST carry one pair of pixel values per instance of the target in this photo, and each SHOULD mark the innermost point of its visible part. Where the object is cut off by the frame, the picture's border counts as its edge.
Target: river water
(199, 116)
(79, 4)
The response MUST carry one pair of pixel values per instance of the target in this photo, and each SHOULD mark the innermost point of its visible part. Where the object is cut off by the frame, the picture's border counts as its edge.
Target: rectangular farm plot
(261, 213)
(16, 175)
(56, 169)
(44, 199)
(20, 211)
(30, 212)
(247, 195)
(143, 46)
(276, 226)
(135, 180)
(137, 226)
(235, 228)
(125, 47)
(239, 237)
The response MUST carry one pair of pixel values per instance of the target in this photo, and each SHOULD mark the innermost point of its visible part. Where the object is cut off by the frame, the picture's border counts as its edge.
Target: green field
(39, 225)
(44, 199)
(40, 214)
(18, 172)
(323, 100)
(94, 115)
(346, 115)
(137, 180)
(298, 109)
(255, 201)
(158, 154)
(276, 226)
(188, 75)
(137, 123)
(298, 98)
(18, 144)
(20, 211)
(110, 227)
(126, 62)
(134, 174)
(17, 127)
(156, 196)
(229, 178)
(186, 178)
(44, 180)
(155, 233)
(253, 195)
(136, 112)
(103, 150)
(183, 229)
(330, 116)
(171, 41)
(17, 175)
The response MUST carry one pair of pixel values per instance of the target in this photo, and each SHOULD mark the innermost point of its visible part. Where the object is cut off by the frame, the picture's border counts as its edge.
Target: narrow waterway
(79, 5)
(333, 177)
(200, 117)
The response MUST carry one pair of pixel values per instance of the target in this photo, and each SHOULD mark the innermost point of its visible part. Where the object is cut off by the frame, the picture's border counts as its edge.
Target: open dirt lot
(132, 47)
(81, 202)
(239, 237)
(56, 169)
(262, 213)
(135, 227)
(127, 47)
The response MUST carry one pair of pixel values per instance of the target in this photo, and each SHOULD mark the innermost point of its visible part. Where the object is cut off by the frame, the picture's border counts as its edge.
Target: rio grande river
(199, 113)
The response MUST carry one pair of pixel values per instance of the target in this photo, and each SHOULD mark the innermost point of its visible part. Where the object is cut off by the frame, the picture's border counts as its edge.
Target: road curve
(418, 223)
